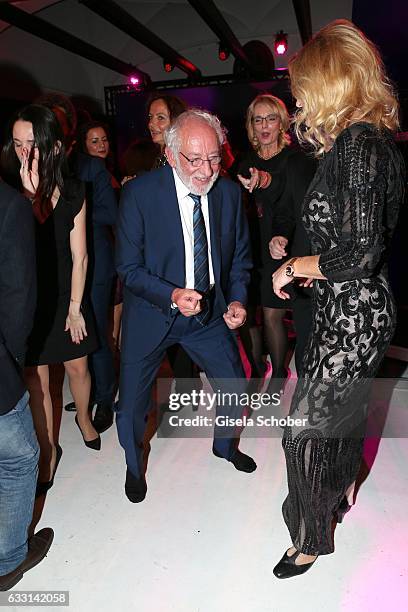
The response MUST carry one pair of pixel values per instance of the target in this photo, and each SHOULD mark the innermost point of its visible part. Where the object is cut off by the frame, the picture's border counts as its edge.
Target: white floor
(207, 537)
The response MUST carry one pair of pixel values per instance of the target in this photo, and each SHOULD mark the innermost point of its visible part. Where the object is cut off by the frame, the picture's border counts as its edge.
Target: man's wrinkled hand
(188, 301)
(235, 316)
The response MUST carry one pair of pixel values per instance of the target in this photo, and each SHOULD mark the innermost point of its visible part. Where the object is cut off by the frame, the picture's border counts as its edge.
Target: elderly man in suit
(183, 255)
(19, 449)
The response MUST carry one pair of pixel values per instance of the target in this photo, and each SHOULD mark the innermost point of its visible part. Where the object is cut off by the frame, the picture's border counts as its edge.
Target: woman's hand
(306, 282)
(281, 279)
(29, 171)
(75, 324)
(277, 247)
(127, 178)
(251, 183)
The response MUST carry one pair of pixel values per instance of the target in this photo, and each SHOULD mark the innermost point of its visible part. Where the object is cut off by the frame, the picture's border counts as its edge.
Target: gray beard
(188, 181)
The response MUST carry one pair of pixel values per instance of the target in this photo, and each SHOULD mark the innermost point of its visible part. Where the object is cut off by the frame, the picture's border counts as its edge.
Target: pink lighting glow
(134, 80)
(281, 43)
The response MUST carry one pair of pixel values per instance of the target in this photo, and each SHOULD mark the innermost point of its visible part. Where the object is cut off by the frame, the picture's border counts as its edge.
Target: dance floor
(207, 537)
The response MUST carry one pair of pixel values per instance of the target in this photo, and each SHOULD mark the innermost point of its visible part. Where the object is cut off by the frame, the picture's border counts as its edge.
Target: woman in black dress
(62, 330)
(263, 173)
(350, 212)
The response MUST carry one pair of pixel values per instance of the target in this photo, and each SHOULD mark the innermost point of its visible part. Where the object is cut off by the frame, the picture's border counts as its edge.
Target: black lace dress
(350, 212)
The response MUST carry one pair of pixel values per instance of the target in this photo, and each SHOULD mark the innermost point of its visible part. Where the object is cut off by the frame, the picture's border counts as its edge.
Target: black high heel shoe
(95, 444)
(287, 568)
(43, 487)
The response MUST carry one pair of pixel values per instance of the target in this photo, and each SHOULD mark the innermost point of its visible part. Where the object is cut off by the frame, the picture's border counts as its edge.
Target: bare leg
(80, 385)
(117, 325)
(350, 493)
(37, 381)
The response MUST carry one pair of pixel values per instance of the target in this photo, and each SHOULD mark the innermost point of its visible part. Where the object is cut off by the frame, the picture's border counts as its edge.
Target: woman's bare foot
(302, 558)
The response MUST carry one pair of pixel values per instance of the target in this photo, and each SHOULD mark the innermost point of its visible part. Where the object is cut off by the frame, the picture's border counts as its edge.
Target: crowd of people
(309, 232)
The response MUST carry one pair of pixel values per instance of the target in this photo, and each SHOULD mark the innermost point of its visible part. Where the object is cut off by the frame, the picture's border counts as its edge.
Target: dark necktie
(201, 266)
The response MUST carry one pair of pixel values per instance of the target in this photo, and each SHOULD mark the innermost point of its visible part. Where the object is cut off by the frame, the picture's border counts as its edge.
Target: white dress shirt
(186, 207)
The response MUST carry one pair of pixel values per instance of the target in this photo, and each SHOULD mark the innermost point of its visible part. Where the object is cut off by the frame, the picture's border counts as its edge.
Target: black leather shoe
(43, 487)
(287, 568)
(240, 461)
(70, 407)
(103, 418)
(38, 546)
(95, 444)
(135, 488)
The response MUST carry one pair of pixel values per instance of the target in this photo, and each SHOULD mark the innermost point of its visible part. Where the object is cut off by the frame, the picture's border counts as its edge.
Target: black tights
(251, 338)
(276, 339)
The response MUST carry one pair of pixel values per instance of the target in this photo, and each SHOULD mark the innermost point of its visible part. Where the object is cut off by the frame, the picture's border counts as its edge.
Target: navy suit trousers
(213, 347)
(101, 364)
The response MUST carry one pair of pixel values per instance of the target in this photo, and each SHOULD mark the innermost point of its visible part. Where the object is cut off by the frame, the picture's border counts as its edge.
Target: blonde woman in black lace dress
(348, 111)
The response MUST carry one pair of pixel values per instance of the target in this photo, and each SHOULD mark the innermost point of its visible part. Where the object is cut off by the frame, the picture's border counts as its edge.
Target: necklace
(266, 157)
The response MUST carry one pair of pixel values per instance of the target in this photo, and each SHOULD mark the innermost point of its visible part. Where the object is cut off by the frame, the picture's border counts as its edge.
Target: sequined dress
(350, 212)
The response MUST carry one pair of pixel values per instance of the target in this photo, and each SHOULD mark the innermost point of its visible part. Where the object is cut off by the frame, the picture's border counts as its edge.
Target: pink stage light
(281, 43)
(134, 80)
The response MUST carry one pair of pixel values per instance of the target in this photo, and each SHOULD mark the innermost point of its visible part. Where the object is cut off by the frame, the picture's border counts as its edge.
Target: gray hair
(172, 134)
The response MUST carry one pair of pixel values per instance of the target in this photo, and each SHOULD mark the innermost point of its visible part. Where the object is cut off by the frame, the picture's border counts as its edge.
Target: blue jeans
(19, 452)
(101, 365)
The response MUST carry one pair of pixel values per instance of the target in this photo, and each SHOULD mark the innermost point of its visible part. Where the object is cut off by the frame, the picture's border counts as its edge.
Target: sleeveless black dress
(48, 343)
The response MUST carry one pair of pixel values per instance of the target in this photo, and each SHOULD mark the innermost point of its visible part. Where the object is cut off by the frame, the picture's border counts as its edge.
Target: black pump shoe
(103, 418)
(287, 568)
(43, 487)
(95, 444)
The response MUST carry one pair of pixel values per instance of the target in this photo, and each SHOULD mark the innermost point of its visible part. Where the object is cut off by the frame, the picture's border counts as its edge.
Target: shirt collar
(181, 189)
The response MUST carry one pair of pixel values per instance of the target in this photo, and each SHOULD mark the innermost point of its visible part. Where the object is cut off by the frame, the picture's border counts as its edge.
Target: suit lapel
(214, 213)
(170, 221)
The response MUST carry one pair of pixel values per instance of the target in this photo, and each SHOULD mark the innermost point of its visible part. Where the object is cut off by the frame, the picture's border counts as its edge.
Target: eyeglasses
(197, 162)
(258, 120)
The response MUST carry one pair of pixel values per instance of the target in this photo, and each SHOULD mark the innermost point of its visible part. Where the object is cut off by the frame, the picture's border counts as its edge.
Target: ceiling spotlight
(281, 43)
(168, 66)
(223, 52)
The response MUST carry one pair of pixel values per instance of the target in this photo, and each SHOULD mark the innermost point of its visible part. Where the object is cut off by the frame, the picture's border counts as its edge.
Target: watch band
(290, 268)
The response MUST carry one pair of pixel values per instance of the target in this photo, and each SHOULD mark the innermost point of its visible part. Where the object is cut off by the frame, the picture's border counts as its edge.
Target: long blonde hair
(339, 79)
(277, 106)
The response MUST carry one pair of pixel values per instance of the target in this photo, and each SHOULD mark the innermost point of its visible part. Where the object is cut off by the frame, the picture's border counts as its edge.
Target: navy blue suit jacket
(151, 257)
(101, 217)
